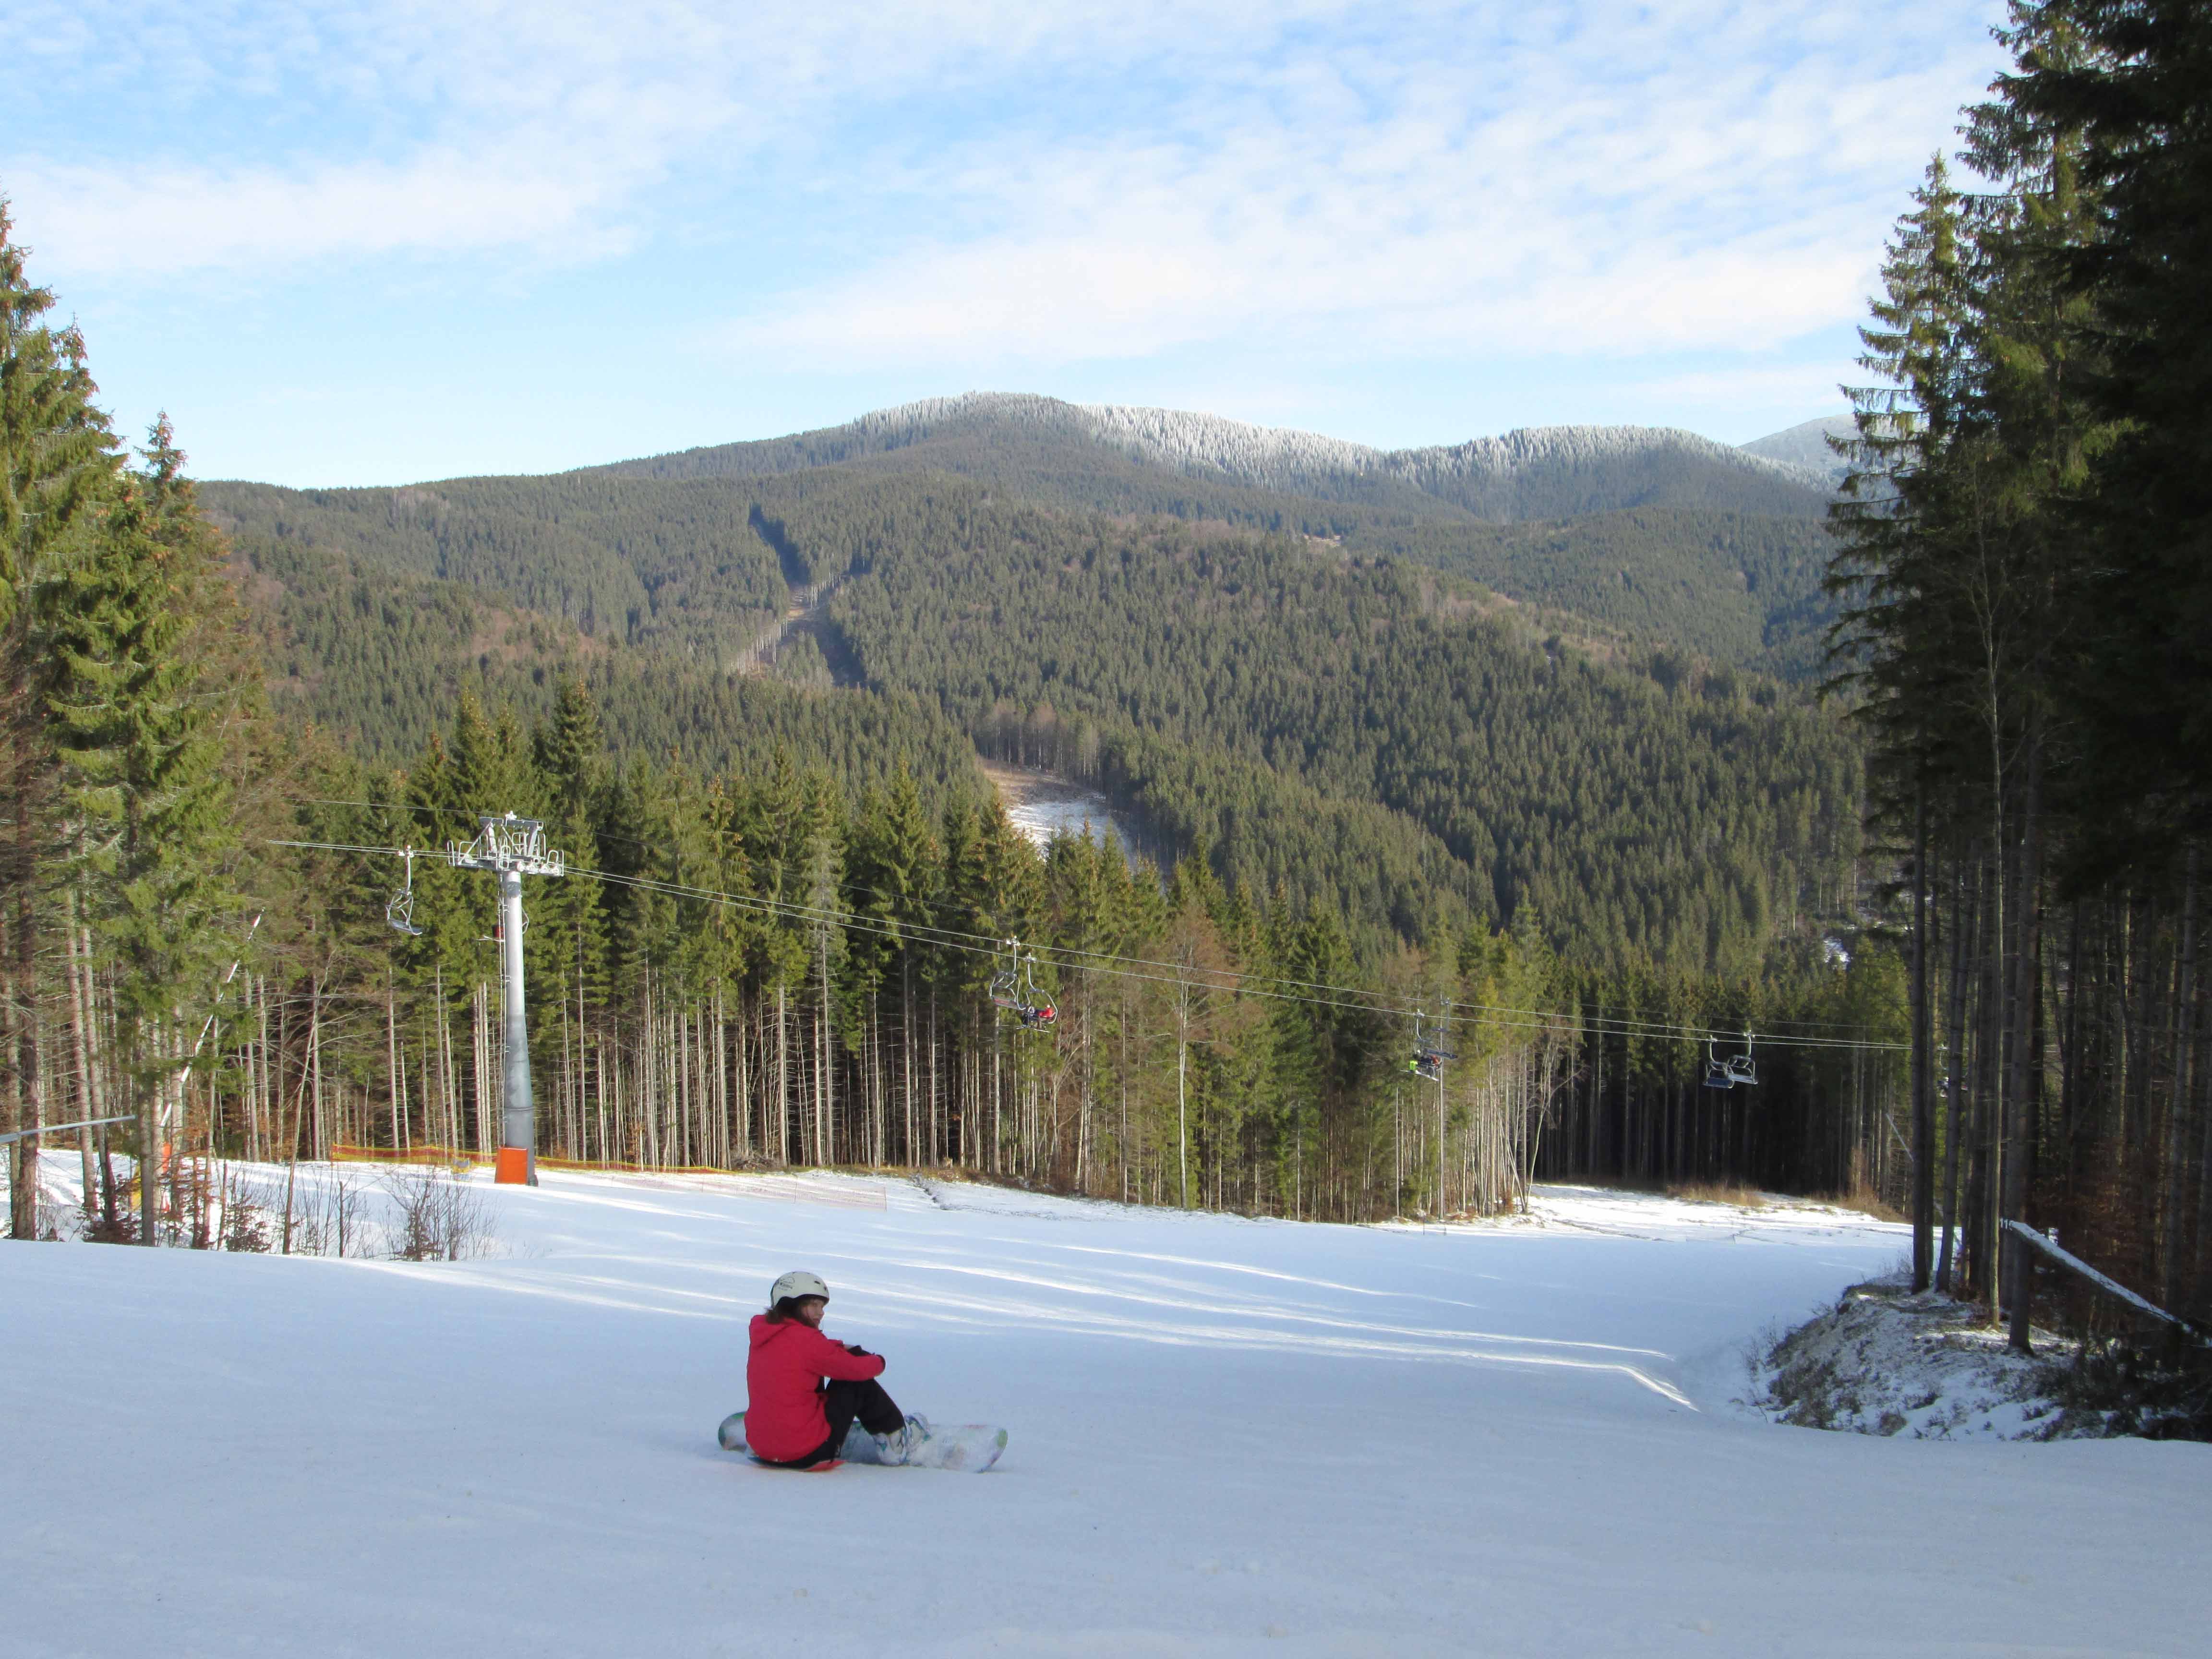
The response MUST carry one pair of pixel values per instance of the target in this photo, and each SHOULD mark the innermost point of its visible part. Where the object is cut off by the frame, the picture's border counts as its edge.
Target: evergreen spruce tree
(57, 469)
(2137, 91)
(450, 956)
(138, 728)
(571, 921)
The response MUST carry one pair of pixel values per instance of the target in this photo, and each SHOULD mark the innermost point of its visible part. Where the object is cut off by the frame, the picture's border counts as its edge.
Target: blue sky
(355, 244)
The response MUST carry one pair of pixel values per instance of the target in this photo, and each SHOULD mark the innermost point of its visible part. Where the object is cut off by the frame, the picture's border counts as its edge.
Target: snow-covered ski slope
(1228, 1437)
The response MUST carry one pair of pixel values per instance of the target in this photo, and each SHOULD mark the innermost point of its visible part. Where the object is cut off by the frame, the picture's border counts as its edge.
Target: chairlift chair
(1741, 1067)
(1014, 988)
(400, 910)
(1035, 1010)
(1428, 1060)
(1002, 980)
(1720, 1072)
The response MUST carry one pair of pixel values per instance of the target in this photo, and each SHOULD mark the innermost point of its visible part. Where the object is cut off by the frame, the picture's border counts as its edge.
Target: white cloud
(182, 218)
(277, 134)
(1636, 189)
(1026, 183)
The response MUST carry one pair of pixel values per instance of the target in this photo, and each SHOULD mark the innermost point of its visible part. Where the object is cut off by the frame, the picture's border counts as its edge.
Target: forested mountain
(1739, 588)
(1382, 730)
(1661, 535)
(682, 569)
(381, 656)
(1386, 805)
(1338, 722)
(1419, 768)
(1651, 538)
(1805, 446)
(651, 582)
(1676, 819)
(1032, 445)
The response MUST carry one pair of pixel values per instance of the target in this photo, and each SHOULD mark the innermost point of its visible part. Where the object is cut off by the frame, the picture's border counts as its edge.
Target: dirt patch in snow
(1887, 1361)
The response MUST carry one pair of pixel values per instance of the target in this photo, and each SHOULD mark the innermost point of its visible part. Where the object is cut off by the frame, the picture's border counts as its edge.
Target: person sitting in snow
(805, 1390)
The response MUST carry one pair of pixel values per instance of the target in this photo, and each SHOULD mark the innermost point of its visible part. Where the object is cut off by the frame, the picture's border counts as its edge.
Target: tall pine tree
(137, 724)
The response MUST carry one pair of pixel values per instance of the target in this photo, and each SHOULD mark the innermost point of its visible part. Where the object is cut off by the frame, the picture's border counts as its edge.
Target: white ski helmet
(795, 1285)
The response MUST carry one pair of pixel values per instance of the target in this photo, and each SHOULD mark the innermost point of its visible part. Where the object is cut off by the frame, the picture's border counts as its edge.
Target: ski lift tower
(513, 847)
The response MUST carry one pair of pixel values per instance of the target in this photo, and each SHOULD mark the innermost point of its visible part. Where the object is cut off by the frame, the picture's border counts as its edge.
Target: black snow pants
(841, 1403)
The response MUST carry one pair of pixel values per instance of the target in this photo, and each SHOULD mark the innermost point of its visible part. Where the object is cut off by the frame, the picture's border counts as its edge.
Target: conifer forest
(1467, 845)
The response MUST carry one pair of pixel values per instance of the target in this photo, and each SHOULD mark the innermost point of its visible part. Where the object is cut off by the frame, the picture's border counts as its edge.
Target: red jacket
(784, 1373)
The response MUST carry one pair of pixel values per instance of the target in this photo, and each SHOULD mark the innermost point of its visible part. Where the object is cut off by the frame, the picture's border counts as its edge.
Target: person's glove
(857, 1352)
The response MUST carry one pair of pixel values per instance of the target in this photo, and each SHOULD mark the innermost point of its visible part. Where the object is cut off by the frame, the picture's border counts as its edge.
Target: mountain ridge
(1668, 538)
(1805, 447)
(1528, 473)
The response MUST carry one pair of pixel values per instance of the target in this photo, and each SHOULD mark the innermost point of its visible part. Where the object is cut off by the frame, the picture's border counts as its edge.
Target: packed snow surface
(1228, 1437)
(1042, 806)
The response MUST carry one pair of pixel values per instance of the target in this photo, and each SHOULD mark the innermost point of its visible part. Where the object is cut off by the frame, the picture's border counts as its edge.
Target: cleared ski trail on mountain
(1228, 1437)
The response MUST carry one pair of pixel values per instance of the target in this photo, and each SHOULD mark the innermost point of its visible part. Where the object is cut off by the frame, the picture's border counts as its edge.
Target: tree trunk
(2022, 1001)
(1923, 1106)
(2177, 1183)
(1954, 1124)
(782, 1080)
(87, 1091)
(1183, 1121)
(23, 1195)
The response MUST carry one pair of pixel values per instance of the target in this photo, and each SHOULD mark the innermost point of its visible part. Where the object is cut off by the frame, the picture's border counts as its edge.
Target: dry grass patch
(1720, 1192)
(1866, 1200)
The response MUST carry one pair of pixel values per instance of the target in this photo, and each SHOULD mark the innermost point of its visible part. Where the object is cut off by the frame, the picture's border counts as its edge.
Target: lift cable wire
(1349, 999)
(1623, 1022)
(1353, 998)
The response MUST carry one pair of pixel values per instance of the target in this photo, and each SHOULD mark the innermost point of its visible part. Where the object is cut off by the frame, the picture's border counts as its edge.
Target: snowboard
(960, 1448)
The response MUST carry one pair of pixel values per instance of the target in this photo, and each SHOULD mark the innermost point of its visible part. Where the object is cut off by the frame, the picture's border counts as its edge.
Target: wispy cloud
(181, 218)
(1603, 184)
(252, 135)
(978, 192)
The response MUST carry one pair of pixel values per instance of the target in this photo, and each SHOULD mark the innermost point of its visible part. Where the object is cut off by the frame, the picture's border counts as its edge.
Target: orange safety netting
(782, 1185)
